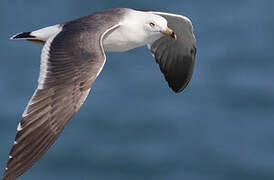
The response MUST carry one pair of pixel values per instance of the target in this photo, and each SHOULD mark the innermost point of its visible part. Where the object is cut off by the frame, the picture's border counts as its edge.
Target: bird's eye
(152, 24)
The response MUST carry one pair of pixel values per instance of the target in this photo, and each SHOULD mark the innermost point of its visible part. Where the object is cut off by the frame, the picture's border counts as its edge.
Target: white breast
(123, 38)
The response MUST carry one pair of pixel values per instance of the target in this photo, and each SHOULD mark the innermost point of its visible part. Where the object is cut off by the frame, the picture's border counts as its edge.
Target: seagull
(72, 57)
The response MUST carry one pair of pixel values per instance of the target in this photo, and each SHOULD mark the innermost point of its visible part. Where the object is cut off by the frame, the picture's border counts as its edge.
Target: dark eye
(152, 24)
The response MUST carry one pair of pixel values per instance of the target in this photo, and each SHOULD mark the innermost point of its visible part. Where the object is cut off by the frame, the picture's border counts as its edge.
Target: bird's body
(125, 35)
(72, 58)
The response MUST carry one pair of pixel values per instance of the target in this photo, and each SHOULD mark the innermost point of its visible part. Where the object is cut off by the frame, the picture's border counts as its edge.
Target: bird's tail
(27, 36)
(39, 36)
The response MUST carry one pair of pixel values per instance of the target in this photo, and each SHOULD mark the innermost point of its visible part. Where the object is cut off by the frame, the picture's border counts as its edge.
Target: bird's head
(141, 28)
(157, 25)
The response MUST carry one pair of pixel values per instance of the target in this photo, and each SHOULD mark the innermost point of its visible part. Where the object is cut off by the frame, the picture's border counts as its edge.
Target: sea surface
(132, 126)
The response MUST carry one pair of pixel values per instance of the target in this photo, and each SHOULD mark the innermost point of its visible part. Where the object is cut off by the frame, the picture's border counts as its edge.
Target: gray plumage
(71, 60)
(75, 58)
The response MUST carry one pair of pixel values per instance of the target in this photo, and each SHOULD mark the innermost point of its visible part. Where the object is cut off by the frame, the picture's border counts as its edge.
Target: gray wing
(176, 57)
(70, 62)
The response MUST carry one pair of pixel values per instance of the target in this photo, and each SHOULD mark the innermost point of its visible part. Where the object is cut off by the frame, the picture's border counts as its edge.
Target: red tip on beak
(174, 36)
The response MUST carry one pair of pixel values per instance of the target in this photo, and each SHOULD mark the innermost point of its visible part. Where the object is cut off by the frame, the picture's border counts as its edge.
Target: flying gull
(73, 56)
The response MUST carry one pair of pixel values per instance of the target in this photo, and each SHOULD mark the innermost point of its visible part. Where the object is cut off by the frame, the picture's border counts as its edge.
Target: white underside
(118, 41)
(122, 39)
(47, 32)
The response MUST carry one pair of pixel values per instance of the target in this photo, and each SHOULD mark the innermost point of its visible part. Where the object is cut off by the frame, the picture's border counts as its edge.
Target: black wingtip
(24, 35)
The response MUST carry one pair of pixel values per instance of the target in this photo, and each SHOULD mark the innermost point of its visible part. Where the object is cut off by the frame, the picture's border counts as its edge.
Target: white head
(138, 28)
(154, 23)
(147, 26)
(155, 26)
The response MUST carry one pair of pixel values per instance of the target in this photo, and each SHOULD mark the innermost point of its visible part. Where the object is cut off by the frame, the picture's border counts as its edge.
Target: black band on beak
(173, 35)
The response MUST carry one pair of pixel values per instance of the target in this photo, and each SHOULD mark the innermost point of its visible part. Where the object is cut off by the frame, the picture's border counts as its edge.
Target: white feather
(19, 128)
(47, 32)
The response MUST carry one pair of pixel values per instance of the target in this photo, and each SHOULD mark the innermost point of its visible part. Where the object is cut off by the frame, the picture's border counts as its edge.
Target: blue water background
(133, 127)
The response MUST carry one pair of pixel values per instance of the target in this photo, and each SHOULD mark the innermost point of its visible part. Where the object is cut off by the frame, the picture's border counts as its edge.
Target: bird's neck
(123, 39)
(129, 35)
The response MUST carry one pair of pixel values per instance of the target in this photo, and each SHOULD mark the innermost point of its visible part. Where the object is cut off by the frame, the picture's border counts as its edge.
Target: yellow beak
(169, 32)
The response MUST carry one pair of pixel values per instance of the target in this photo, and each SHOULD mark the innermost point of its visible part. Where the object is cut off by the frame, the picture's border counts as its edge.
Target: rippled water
(133, 127)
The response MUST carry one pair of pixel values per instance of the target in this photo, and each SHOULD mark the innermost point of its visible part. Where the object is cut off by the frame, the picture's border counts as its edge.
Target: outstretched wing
(70, 62)
(176, 57)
